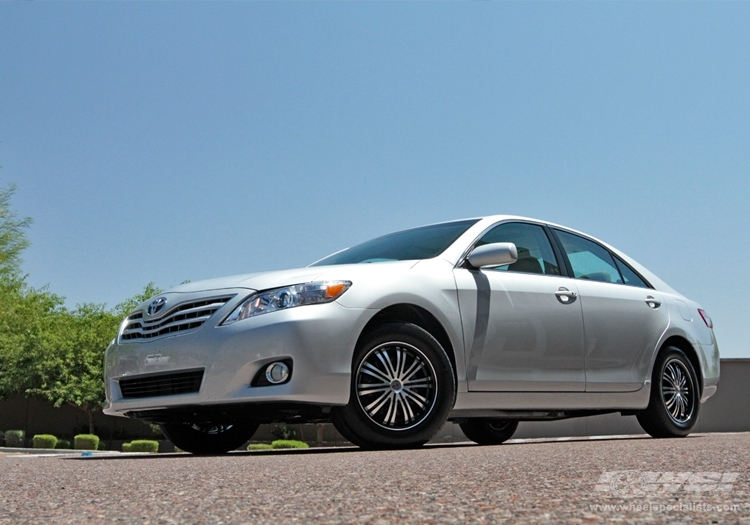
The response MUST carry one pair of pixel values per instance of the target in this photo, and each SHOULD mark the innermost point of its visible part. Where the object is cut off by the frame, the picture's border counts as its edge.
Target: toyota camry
(485, 322)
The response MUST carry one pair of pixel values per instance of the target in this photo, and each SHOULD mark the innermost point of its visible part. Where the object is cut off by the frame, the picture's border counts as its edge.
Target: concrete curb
(55, 451)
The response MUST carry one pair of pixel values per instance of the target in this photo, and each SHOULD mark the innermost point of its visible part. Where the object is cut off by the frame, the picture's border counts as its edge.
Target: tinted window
(535, 253)
(588, 259)
(419, 243)
(629, 276)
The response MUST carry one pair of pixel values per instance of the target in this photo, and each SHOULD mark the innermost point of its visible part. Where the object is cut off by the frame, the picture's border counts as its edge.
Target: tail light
(706, 318)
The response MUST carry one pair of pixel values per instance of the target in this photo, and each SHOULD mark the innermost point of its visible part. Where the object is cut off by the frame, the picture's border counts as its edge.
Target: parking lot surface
(699, 479)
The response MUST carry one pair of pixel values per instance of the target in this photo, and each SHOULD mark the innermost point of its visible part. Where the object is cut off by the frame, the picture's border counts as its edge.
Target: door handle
(565, 296)
(652, 302)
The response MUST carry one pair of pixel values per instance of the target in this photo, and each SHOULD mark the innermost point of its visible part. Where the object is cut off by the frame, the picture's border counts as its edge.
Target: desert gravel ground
(700, 479)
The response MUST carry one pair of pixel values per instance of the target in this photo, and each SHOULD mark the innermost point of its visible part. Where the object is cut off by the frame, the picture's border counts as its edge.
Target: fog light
(277, 373)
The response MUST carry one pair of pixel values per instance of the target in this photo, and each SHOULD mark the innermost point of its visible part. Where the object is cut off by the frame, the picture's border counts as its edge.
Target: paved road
(701, 479)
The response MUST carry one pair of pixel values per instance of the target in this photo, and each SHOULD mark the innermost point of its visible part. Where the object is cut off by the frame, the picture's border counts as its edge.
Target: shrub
(101, 446)
(45, 441)
(63, 443)
(259, 446)
(14, 438)
(144, 445)
(289, 443)
(86, 442)
(2, 438)
(126, 447)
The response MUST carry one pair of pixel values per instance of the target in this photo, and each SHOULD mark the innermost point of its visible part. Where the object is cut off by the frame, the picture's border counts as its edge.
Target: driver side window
(535, 253)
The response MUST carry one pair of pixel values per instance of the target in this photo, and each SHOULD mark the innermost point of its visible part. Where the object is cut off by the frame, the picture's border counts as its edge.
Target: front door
(523, 328)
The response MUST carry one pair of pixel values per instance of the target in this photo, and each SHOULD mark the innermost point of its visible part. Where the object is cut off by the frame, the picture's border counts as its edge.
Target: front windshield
(418, 243)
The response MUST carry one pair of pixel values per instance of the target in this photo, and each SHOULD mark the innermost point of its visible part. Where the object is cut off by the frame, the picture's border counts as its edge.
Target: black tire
(402, 389)
(339, 422)
(675, 396)
(489, 431)
(209, 438)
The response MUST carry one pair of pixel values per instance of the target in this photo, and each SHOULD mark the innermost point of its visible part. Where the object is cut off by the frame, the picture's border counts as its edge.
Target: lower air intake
(158, 385)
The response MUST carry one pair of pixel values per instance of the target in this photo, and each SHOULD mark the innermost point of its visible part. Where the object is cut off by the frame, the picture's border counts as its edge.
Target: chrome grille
(167, 384)
(180, 318)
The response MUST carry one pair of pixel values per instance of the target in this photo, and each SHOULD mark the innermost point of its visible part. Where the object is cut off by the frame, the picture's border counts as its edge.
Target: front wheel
(208, 438)
(401, 392)
(489, 431)
(675, 396)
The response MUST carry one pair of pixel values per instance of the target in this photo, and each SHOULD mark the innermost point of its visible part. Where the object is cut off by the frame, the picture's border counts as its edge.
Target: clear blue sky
(172, 141)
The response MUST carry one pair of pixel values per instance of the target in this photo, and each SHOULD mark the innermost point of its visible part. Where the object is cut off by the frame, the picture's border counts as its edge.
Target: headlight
(288, 297)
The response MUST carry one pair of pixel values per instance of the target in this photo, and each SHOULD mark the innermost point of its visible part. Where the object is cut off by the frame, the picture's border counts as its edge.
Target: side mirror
(495, 254)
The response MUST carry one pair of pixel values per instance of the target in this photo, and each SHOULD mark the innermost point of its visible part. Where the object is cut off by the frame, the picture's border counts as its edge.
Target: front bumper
(318, 339)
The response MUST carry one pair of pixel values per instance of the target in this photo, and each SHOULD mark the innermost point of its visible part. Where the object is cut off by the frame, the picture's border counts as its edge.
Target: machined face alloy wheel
(396, 386)
(678, 391)
(211, 429)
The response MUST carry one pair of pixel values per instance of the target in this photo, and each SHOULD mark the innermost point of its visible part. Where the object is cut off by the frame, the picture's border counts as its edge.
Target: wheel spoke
(416, 383)
(400, 362)
(375, 372)
(405, 408)
(366, 390)
(416, 398)
(384, 398)
(680, 379)
(669, 376)
(413, 369)
(389, 365)
(390, 416)
(683, 406)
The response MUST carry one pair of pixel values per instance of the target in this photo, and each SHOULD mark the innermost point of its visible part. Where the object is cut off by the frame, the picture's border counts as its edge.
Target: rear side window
(535, 253)
(629, 276)
(589, 260)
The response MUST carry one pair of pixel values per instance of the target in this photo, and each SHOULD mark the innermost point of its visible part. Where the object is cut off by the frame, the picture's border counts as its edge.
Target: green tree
(26, 313)
(27, 316)
(68, 369)
(13, 239)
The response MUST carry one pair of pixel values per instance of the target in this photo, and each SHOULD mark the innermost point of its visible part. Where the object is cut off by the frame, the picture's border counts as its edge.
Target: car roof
(456, 250)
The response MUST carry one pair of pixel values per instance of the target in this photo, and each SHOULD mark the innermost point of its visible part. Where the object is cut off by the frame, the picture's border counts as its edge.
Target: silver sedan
(485, 322)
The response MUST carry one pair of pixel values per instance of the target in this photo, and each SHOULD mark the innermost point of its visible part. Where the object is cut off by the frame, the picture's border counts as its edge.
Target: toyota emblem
(156, 306)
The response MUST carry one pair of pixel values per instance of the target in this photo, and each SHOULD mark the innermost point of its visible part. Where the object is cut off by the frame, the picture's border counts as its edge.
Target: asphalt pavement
(700, 479)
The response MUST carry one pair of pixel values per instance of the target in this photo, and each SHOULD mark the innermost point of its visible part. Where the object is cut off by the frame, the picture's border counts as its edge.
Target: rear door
(623, 316)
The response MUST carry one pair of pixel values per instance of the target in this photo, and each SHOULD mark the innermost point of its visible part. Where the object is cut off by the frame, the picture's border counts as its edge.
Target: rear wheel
(209, 438)
(489, 431)
(402, 389)
(675, 396)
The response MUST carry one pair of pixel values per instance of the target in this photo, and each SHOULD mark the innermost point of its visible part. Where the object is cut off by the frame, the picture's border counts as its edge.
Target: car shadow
(351, 449)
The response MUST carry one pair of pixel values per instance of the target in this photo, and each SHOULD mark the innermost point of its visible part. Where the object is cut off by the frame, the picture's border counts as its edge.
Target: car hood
(276, 279)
